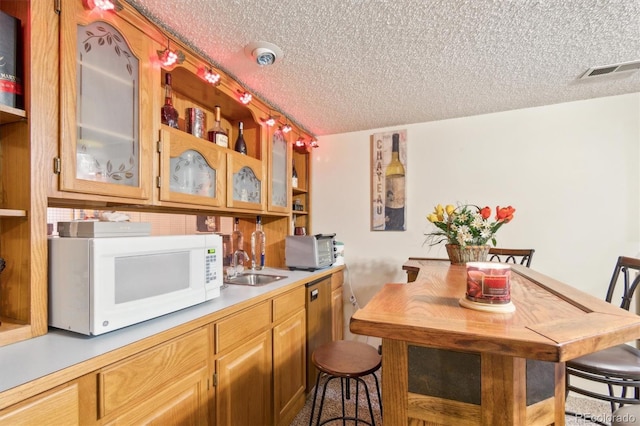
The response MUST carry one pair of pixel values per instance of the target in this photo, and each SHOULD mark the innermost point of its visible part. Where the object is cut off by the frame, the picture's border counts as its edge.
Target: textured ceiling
(353, 65)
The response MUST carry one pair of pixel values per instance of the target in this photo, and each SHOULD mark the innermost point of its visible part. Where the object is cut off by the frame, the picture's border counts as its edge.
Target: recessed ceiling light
(263, 53)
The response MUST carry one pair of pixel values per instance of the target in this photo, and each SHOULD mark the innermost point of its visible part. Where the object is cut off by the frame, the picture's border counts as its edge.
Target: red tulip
(504, 214)
(485, 212)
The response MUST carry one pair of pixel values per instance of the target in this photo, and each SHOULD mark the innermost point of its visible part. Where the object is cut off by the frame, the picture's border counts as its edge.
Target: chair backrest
(519, 256)
(630, 283)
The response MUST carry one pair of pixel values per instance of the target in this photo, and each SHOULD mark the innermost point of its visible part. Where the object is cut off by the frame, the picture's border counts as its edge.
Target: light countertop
(25, 361)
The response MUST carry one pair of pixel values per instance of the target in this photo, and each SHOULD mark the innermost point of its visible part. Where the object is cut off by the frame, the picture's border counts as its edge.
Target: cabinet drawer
(337, 279)
(141, 376)
(240, 326)
(59, 406)
(288, 303)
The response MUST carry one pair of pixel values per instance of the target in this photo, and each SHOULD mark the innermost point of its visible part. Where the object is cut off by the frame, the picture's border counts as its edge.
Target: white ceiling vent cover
(624, 67)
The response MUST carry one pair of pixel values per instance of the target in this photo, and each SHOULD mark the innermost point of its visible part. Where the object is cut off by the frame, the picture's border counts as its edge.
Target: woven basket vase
(459, 255)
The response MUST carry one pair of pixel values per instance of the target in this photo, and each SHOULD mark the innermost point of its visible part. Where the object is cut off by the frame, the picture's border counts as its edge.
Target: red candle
(488, 282)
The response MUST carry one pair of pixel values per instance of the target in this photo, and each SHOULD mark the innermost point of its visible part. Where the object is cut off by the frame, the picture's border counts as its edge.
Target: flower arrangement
(467, 224)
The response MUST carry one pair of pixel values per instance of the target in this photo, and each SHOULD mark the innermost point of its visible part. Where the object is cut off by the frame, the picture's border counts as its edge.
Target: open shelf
(11, 115)
(12, 213)
(12, 331)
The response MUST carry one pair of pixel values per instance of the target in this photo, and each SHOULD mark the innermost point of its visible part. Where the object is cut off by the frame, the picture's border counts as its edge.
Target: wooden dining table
(444, 364)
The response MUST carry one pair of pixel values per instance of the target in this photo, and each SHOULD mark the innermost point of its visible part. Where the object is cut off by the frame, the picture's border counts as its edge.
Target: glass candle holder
(488, 282)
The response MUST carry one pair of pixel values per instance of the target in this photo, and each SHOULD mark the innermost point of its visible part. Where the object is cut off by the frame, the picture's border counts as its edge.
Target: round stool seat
(346, 358)
(346, 361)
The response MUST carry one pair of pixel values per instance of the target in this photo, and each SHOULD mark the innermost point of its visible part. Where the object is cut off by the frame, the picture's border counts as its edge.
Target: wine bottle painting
(388, 171)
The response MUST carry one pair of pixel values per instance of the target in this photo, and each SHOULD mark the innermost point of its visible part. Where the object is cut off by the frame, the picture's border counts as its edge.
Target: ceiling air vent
(625, 67)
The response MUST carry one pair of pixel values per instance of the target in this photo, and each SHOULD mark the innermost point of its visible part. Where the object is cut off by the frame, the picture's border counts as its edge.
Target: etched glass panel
(279, 170)
(107, 147)
(246, 186)
(190, 174)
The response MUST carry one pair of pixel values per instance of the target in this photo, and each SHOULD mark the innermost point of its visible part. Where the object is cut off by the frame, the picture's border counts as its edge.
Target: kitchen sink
(253, 279)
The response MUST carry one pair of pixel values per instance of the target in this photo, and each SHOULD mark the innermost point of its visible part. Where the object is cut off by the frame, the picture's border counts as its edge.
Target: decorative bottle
(258, 243)
(217, 134)
(294, 175)
(237, 242)
(169, 115)
(240, 145)
(237, 239)
(394, 189)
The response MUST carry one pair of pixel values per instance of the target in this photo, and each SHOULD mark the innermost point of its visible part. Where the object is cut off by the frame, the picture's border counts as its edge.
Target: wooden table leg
(395, 382)
(560, 400)
(504, 390)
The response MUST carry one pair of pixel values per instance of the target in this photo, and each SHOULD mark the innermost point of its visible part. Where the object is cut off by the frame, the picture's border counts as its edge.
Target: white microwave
(98, 285)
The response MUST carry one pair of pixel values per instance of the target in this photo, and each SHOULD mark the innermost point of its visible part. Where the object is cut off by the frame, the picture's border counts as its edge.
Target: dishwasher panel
(318, 304)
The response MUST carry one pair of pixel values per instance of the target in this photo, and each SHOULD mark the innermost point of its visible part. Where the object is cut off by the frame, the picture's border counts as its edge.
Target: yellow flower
(439, 212)
(450, 209)
(432, 217)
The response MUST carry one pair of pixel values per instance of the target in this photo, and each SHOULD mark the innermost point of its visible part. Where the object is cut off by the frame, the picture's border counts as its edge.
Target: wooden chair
(617, 367)
(518, 256)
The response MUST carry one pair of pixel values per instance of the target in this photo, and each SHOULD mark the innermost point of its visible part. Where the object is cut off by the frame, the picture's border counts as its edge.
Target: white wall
(572, 171)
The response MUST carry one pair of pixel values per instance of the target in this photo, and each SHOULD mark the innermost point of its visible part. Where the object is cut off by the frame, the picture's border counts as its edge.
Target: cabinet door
(127, 384)
(289, 367)
(245, 182)
(105, 105)
(192, 171)
(279, 198)
(181, 402)
(243, 394)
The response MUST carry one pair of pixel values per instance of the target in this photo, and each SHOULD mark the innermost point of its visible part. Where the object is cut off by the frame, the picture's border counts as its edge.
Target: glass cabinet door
(105, 72)
(279, 172)
(192, 170)
(245, 182)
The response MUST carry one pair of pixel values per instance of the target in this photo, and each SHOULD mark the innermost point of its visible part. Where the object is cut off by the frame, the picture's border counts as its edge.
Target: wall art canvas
(388, 177)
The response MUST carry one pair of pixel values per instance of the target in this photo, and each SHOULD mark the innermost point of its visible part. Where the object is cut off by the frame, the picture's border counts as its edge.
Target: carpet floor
(593, 412)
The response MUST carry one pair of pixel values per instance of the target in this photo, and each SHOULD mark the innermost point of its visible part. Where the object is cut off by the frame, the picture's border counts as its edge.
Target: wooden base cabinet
(166, 384)
(247, 367)
(289, 356)
(181, 402)
(243, 378)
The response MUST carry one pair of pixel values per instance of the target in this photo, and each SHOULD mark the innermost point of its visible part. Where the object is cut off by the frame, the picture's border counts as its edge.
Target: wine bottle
(217, 134)
(294, 175)
(169, 115)
(394, 187)
(240, 145)
(258, 243)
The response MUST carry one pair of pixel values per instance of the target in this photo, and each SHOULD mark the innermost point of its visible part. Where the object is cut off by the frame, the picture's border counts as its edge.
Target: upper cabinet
(113, 147)
(301, 193)
(279, 171)
(192, 171)
(106, 109)
(89, 134)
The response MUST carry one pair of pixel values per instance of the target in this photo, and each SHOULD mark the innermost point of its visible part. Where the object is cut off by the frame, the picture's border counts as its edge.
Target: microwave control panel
(212, 265)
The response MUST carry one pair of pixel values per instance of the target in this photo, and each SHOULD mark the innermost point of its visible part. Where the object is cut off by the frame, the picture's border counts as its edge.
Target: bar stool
(345, 360)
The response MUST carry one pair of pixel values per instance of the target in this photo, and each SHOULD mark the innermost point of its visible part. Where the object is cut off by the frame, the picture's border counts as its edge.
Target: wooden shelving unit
(23, 232)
